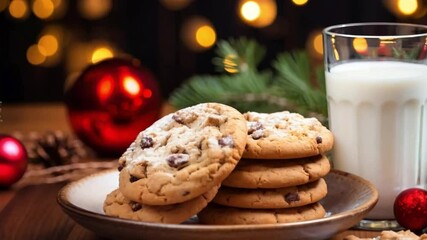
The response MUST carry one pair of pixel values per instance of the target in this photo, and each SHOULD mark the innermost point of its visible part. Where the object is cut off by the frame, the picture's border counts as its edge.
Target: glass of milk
(376, 83)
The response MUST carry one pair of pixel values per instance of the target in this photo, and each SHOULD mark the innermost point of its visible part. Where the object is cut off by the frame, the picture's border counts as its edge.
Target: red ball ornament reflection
(410, 209)
(13, 160)
(110, 103)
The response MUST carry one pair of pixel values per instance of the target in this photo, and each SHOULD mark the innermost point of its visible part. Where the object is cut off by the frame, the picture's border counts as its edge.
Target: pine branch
(296, 86)
(238, 55)
(247, 91)
(294, 79)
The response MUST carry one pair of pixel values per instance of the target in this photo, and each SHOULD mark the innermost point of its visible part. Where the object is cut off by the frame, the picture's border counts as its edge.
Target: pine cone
(55, 148)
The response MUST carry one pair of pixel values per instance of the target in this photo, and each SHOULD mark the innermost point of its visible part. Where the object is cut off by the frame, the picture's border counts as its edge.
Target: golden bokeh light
(3, 5)
(407, 7)
(250, 10)
(314, 44)
(318, 43)
(49, 43)
(101, 53)
(198, 34)
(43, 8)
(81, 54)
(360, 45)
(94, 9)
(299, 2)
(258, 13)
(36, 55)
(175, 5)
(205, 36)
(18, 9)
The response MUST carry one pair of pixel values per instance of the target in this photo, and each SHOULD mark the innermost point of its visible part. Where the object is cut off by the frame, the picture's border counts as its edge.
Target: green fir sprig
(291, 84)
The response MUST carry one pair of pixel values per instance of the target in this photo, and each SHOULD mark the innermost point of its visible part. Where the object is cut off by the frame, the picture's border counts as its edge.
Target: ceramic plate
(349, 199)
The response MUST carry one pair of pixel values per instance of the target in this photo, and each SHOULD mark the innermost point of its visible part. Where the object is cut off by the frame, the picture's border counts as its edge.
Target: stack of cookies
(175, 167)
(280, 177)
(269, 167)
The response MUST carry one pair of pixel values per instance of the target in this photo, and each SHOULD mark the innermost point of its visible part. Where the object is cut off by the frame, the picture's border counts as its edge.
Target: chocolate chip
(135, 206)
(254, 127)
(121, 165)
(226, 141)
(292, 197)
(133, 179)
(178, 160)
(178, 118)
(319, 139)
(184, 117)
(257, 134)
(146, 142)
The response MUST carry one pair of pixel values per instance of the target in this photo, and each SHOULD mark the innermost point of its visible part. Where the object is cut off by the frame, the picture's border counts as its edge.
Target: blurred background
(44, 43)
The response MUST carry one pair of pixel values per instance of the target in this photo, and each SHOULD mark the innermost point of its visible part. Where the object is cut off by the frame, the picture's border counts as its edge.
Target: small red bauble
(13, 160)
(110, 103)
(410, 209)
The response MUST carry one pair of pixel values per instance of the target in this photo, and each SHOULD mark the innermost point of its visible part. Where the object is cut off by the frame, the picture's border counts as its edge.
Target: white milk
(377, 114)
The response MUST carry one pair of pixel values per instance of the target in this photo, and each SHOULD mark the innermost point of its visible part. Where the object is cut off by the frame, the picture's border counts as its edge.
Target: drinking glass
(376, 85)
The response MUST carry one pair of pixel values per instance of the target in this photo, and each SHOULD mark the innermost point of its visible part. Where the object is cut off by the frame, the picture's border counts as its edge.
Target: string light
(198, 34)
(36, 55)
(101, 53)
(43, 8)
(315, 44)
(49, 43)
(18, 9)
(299, 2)
(205, 36)
(258, 13)
(250, 10)
(407, 7)
(94, 9)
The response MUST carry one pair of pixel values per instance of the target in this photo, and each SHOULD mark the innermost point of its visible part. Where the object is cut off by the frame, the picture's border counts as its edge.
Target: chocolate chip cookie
(218, 215)
(117, 205)
(285, 135)
(253, 173)
(272, 198)
(183, 154)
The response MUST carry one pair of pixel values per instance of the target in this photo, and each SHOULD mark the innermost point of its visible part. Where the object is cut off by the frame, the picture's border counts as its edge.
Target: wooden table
(31, 212)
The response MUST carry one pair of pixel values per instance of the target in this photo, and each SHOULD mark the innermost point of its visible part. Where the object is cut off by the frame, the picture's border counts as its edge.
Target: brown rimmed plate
(349, 199)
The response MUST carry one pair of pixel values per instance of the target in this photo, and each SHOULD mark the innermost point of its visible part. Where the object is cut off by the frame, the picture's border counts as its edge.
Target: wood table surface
(32, 211)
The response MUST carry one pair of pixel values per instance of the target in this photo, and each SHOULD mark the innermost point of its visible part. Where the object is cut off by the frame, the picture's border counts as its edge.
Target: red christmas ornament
(13, 160)
(410, 209)
(110, 103)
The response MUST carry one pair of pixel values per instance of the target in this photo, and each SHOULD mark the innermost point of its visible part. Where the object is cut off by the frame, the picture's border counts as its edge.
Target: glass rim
(329, 30)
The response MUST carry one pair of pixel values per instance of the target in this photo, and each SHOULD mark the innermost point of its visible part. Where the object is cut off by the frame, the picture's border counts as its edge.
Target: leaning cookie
(218, 215)
(251, 173)
(272, 198)
(284, 135)
(183, 154)
(117, 205)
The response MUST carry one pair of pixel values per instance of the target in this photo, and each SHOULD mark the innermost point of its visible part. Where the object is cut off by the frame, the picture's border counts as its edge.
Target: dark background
(149, 31)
